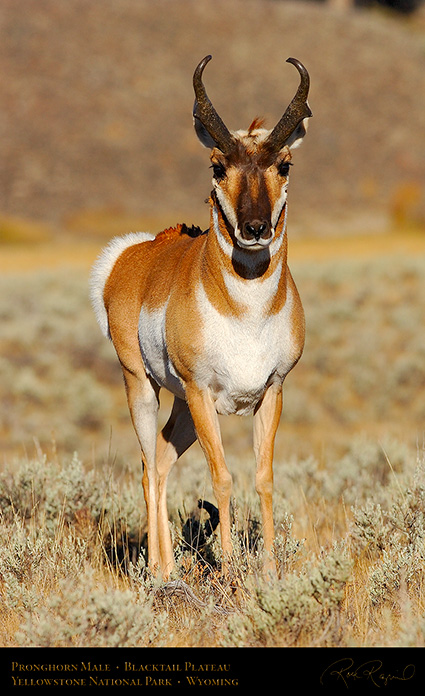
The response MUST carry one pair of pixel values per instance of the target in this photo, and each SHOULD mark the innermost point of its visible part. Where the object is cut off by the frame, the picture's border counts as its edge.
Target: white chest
(243, 355)
(240, 357)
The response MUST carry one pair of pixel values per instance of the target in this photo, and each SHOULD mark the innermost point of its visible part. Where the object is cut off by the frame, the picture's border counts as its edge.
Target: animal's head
(251, 168)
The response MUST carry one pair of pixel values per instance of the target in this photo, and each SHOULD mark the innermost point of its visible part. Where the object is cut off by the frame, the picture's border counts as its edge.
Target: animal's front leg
(207, 428)
(266, 421)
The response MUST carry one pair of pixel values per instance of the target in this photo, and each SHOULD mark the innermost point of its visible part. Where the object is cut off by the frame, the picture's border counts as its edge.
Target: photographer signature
(344, 670)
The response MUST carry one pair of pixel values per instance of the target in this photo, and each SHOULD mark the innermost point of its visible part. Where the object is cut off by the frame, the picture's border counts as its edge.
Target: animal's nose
(257, 229)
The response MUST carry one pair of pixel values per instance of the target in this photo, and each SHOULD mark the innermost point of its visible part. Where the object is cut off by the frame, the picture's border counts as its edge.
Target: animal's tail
(103, 267)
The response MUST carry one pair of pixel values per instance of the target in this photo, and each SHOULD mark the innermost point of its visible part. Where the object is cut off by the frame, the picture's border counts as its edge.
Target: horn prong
(296, 112)
(205, 113)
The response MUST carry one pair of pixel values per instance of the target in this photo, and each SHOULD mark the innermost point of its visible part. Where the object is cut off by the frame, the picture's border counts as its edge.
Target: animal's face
(250, 189)
(251, 168)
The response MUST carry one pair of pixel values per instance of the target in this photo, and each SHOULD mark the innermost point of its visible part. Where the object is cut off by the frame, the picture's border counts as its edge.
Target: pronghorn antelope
(214, 317)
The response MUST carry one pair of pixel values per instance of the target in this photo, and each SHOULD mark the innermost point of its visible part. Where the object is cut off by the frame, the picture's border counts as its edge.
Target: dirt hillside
(95, 107)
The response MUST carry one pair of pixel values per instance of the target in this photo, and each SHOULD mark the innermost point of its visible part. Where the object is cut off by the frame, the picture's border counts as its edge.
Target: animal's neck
(236, 279)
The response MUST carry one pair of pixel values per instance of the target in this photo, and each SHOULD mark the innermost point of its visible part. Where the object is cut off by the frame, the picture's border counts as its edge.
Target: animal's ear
(296, 138)
(202, 133)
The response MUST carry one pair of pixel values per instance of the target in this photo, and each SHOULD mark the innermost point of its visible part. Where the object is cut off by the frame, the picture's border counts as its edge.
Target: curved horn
(205, 116)
(296, 112)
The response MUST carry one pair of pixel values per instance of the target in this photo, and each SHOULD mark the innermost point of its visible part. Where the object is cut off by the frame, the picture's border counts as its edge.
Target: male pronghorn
(213, 317)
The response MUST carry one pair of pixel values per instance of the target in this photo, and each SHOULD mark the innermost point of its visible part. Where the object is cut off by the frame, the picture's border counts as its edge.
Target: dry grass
(71, 574)
(349, 475)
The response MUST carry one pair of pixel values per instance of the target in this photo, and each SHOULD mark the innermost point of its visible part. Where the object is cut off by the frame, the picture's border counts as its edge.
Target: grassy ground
(349, 472)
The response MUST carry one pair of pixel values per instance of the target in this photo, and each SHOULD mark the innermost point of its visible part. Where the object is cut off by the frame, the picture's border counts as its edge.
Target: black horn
(296, 112)
(206, 119)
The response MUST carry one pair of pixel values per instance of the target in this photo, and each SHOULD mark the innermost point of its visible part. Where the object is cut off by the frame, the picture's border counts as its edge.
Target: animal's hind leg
(142, 397)
(175, 438)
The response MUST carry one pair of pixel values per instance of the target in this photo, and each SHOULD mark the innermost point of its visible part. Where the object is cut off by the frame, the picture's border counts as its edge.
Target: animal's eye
(219, 171)
(283, 168)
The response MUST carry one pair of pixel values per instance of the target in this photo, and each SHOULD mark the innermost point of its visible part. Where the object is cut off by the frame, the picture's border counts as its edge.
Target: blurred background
(97, 139)
(96, 102)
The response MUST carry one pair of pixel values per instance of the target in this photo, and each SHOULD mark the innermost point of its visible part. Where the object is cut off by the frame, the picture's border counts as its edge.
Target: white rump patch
(103, 267)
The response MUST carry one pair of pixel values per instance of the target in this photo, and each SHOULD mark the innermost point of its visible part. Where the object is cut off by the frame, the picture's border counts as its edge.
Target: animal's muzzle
(256, 229)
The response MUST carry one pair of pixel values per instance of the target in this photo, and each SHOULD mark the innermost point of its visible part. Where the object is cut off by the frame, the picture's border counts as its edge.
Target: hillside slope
(96, 105)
